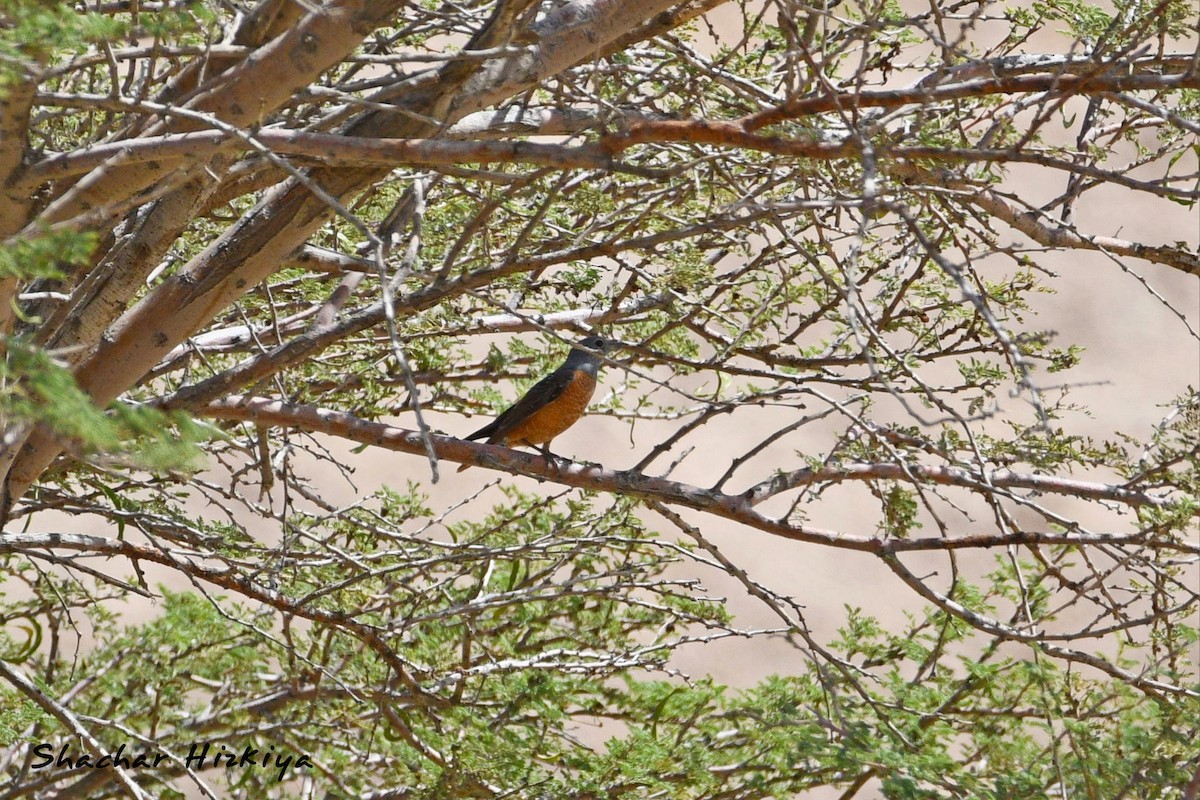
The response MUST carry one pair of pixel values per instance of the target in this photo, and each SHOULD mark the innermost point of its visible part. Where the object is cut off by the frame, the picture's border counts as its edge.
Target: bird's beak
(613, 348)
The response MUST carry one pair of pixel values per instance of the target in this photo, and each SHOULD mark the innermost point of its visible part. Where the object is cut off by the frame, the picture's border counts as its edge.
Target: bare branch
(737, 507)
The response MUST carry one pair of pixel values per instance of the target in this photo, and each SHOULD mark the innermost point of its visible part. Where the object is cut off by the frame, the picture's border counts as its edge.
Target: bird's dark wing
(541, 394)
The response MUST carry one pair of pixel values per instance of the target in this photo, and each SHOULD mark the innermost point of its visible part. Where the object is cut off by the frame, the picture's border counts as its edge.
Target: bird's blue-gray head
(587, 354)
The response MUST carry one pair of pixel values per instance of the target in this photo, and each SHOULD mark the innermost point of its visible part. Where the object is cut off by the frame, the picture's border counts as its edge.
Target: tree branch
(1051, 234)
(227, 577)
(307, 345)
(331, 150)
(986, 481)
(16, 100)
(242, 95)
(1118, 77)
(249, 251)
(64, 715)
(736, 507)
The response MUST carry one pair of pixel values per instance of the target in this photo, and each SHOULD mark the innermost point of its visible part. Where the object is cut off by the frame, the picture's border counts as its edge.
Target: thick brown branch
(736, 507)
(572, 33)
(242, 95)
(722, 134)
(15, 103)
(1117, 78)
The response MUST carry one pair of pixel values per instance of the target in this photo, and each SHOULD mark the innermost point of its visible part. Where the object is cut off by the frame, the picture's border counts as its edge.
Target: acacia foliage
(238, 239)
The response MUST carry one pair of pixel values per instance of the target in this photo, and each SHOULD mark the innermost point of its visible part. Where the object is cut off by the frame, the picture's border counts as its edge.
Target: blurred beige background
(1140, 355)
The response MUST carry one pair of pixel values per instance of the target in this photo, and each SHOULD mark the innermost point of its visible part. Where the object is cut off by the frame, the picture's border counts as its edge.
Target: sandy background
(1140, 355)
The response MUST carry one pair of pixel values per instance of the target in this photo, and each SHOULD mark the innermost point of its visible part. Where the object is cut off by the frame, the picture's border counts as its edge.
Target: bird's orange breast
(556, 416)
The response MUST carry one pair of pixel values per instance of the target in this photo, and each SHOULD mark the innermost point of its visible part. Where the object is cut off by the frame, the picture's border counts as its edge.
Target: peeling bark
(248, 252)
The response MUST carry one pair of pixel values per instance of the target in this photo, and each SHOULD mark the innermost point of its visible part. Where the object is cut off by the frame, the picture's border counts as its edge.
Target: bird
(553, 404)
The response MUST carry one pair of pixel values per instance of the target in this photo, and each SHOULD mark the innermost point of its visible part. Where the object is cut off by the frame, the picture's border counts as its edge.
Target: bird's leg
(551, 458)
